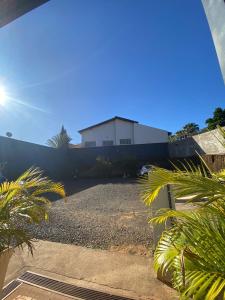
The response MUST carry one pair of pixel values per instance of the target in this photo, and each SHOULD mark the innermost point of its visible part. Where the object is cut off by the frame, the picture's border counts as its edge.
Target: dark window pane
(90, 144)
(125, 141)
(107, 143)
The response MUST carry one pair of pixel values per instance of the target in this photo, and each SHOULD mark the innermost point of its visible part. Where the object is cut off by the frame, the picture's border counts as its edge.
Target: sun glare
(3, 95)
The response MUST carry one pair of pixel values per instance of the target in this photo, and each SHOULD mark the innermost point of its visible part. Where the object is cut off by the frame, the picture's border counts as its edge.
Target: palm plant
(188, 130)
(24, 200)
(193, 248)
(191, 129)
(61, 140)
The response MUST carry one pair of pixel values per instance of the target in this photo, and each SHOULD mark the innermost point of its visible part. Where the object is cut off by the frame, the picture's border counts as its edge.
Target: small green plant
(24, 200)
(193, 248)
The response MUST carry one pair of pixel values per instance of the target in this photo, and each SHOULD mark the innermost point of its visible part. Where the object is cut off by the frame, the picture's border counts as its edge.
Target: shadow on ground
(78, 185)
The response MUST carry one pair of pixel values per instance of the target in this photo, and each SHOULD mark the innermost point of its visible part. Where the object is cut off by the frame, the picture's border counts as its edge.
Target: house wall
(119, 129)
(124, 130)
(215, 12)
(144, 134)
(99, 134)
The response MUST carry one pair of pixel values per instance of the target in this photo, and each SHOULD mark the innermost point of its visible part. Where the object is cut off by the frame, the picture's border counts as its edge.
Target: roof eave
(107, 121)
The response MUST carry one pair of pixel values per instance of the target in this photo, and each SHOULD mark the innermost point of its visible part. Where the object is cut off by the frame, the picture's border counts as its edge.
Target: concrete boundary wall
(60, 164)
(142, 152)
(19, 156)
(210, 142)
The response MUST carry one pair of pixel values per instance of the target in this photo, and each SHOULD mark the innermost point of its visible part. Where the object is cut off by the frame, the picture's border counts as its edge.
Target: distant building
(215, 12)
(121, 131)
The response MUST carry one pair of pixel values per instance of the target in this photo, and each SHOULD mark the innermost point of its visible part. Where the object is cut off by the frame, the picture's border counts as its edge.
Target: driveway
(106, 214)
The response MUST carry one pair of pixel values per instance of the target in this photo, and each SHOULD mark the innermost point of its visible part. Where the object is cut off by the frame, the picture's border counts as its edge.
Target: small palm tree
(61, 140)
(193, 248)
(191, 129)
(187, 131)
(24, 200)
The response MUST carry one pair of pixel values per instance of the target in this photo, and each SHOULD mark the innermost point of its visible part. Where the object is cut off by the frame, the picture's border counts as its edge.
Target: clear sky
(79, 62)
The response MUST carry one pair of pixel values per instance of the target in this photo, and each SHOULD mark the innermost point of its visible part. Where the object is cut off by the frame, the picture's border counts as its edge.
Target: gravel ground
(106, 214)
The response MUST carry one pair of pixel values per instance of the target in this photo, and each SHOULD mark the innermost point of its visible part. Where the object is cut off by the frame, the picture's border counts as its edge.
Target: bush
(101, 169)
(106, 168)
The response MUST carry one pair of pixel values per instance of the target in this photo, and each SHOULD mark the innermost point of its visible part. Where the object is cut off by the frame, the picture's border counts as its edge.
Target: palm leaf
(59, 141)
(24, 200)
(189, 183)
(198, 237)
(193, 248)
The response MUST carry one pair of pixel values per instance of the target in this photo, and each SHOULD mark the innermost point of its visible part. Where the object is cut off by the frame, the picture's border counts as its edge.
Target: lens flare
(3, 96)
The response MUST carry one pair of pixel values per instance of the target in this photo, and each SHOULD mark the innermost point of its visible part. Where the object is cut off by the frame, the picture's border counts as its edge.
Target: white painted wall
(124, 130)
(215, 12)
(99, 134)
(118, 129)
(145, 134)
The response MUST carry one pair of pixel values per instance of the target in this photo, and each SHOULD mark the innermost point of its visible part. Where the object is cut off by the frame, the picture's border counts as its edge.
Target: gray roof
(107, 121)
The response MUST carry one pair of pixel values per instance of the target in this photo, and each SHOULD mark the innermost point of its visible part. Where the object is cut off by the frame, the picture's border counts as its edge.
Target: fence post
(164, 200)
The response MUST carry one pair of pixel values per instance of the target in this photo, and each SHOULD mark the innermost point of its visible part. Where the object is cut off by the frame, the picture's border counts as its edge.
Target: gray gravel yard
(103, 213)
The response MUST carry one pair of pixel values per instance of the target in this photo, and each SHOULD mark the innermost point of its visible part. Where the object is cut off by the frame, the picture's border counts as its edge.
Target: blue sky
(79, 62)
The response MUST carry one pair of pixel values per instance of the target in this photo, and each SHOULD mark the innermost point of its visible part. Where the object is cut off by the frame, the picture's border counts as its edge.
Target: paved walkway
(28, 292)
(111, 272)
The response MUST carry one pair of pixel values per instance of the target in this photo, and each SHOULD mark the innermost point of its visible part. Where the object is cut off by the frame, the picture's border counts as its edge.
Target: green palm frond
(24, 200)
(197, 237)
(204, 285)
(60, 140)
(195, 183)
(163, 214)
(192, 249)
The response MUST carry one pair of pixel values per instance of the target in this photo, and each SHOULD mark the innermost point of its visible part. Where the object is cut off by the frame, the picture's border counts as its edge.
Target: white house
(121, 131)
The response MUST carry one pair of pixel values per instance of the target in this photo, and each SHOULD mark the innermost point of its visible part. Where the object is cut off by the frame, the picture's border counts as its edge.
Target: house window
(90, 144)
(107, 143)
(125, 141)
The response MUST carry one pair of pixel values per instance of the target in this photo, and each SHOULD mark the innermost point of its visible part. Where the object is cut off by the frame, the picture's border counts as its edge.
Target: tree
(218, 119)
(61, 140)
(180, 135)
(193, 248)
(191, 129)
(188, 130)
(8, 134)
